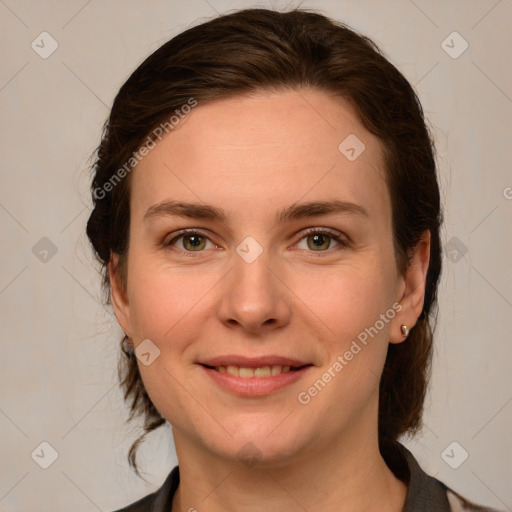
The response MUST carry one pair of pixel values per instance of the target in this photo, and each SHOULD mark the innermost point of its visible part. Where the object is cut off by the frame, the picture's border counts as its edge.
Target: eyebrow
(290, 213)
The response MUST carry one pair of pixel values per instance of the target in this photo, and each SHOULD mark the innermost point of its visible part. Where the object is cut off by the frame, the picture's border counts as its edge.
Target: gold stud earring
(405, 330)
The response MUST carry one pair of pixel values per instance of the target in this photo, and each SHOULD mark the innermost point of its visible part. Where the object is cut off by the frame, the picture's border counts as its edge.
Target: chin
(255, 448)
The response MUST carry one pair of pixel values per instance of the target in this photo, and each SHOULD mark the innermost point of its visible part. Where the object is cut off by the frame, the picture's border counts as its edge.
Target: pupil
(319, 240)
(194, 241)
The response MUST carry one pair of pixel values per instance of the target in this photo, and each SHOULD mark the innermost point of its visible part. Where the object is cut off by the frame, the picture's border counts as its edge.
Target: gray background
(59, 344)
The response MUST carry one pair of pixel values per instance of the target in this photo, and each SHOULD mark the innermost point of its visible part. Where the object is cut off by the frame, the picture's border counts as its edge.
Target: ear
(411, 290)
(119, 296)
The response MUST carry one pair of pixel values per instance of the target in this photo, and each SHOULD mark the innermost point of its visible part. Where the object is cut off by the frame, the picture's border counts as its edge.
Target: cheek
(348, 298)
(353, 307)
(349, 304)
(163, 299)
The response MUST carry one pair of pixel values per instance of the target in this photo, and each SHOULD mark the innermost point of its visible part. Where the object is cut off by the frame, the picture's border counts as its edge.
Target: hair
(255, 50)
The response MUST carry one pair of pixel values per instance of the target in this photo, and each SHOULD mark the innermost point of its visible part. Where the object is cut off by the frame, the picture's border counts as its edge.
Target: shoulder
(425, 492)
(160, 500)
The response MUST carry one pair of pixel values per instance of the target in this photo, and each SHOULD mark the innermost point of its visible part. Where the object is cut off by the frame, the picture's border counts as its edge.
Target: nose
(254, 298)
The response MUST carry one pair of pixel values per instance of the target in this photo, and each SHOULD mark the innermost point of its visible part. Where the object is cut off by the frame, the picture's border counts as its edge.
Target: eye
(320, 240)
(316, 240)
(189, 241)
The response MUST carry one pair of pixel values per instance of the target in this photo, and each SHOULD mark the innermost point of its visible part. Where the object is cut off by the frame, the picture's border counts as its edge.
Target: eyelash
(337, 237)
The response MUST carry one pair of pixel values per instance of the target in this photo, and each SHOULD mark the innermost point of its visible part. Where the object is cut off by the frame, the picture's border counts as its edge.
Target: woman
(267, 213)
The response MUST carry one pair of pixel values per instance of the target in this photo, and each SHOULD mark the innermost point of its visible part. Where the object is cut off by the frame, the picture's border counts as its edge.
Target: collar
(424, 494)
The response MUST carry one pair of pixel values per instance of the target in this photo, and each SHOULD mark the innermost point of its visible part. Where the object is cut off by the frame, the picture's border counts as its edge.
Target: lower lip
(255, 386)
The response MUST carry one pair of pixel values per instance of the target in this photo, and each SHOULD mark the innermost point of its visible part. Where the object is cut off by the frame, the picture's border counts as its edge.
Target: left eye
(191, 241)
(320, 241)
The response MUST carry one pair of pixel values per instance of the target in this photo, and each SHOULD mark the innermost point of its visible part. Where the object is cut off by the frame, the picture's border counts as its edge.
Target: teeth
(233, 370)
(262, 372)
(276, 370)
(246, 373)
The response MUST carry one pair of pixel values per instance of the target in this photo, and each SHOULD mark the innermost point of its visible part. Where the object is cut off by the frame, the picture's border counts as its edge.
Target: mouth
(254, 377)
(246, 372)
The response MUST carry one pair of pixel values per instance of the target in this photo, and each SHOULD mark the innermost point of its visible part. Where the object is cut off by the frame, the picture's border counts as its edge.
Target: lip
(255, 386)
(252, 362)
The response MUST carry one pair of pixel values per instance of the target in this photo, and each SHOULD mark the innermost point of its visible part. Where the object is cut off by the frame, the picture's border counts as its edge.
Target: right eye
(190, 241)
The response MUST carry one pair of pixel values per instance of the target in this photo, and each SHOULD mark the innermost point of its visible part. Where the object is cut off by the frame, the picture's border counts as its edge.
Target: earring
(405, 330)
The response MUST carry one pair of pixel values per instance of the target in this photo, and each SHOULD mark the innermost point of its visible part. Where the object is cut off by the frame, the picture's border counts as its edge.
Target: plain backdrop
(59, 344)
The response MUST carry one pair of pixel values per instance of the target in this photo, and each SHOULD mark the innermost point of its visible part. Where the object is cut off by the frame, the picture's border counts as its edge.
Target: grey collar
(425, 493)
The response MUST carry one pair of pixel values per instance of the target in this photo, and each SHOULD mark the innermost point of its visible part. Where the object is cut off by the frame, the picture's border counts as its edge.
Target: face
(257, 241)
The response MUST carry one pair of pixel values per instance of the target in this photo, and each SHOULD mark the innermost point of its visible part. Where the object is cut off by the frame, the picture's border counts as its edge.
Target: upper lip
(252, 362)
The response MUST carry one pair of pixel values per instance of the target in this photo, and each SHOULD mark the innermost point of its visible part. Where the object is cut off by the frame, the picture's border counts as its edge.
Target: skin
(254, 156)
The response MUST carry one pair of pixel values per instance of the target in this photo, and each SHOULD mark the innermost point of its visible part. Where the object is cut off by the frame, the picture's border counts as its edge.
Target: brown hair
(259, 49)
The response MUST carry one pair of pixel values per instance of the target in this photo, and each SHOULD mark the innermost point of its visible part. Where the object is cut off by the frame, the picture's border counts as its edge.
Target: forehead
(263, 150)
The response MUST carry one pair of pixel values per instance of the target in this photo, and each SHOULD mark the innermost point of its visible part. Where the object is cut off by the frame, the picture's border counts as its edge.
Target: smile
(253, 382)
(247, 373)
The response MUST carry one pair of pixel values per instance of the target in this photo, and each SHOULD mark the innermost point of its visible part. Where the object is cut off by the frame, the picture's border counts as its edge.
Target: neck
(346, 475)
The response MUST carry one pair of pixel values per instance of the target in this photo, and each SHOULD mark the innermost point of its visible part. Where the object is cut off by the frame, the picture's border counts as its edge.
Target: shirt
(424, 493)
